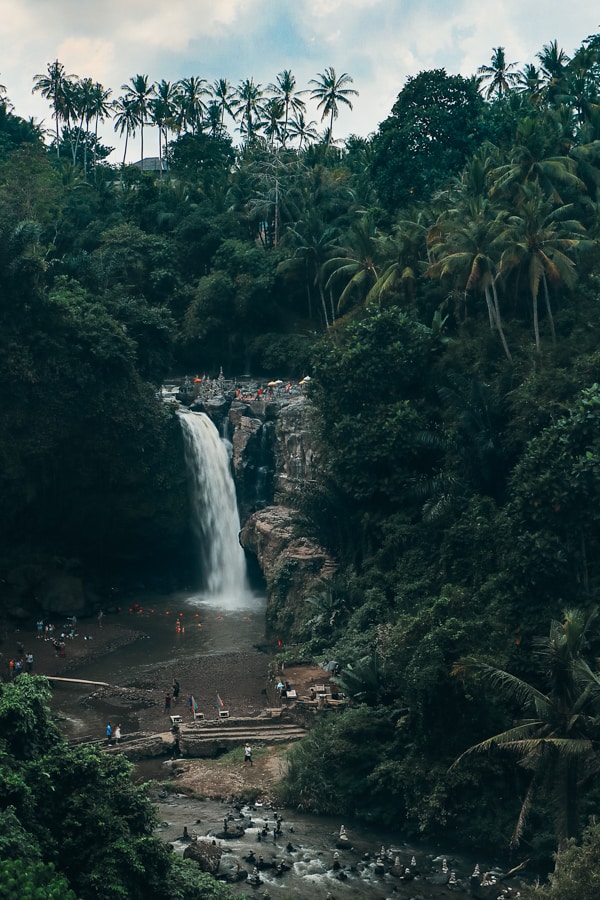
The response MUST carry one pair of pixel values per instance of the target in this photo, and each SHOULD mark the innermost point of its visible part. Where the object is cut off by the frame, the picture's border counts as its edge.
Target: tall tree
(248, 106)
(284, 89)
(53, 86)
(125, 120)
(499, 74)
(539, 241)
(191, 103)
(140, 92)
(557, 740)
(224, 95)
(330, 90)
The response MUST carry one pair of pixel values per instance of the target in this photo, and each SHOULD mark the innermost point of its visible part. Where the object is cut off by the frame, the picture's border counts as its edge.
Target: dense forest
(440, 281)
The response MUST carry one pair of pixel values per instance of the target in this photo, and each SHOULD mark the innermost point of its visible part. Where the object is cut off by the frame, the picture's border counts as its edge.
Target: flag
(220, 703)
(194, 704)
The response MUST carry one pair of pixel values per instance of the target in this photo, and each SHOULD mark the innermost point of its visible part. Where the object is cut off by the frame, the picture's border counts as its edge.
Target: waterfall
(216, 519)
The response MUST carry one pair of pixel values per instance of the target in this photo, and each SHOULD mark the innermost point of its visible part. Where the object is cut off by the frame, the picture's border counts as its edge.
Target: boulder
(206, 854)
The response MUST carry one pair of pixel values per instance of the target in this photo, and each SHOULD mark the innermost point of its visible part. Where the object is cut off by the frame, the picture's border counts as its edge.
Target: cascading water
(216, 519)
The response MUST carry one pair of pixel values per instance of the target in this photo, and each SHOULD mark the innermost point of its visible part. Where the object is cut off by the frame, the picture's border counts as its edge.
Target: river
(216, 629)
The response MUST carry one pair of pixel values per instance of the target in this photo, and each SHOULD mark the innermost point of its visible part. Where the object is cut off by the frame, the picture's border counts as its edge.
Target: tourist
(247, 755)
(11, 668)
(109, 733)
(175, 690)
(40, 628)
(168, 703)
(118, 734)
(29, 661)
(100, 617)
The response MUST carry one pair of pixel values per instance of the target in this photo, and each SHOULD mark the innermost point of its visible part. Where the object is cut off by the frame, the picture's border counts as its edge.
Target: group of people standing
(173, 696)
(20, 663)
(113, 734)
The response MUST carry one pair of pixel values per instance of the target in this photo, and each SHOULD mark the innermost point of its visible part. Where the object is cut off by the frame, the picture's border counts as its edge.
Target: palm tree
(125, 119)
(537, 157)
(191, 103)
(499, 74)
(269, 120)
(163, 109)
(463, 248)
(529, 83)
(299, 129)
(53, 86)
(355, 266)
(553, 65)
(312, 242)
(537, 241)
(140, 92)
(99, 108)
(247, 103)
(330, 90)
(224, 95)
(557, 742)
(284, 90)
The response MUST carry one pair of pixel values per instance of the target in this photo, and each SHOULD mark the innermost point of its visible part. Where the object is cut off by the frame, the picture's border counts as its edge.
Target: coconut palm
(163, 110)
(99, 109)
(330, 90)
(537, 157)
(529, 83)
(557, 740)
(355, 266)
(269, 120)
(301, 130)
(125, 120)
(248, 105)
(538, 241)
(53, 86)
(553, 66)
(285, 91)
(140, 92)
(583, 73)
(192, 107)
(312, 242)
(499, 75)
(463, 249)
(224, 95)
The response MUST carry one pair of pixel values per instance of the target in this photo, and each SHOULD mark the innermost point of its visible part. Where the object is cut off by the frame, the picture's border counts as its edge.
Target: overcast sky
(378, 42)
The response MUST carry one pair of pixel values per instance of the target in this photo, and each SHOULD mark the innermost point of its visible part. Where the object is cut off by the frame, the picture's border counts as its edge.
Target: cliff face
(273, 458)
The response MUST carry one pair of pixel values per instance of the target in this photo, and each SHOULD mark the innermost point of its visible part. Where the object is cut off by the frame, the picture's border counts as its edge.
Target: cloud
(378, 42)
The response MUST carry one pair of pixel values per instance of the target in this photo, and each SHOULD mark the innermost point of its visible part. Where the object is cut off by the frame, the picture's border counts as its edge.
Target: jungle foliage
(73, 823)
(440, 281)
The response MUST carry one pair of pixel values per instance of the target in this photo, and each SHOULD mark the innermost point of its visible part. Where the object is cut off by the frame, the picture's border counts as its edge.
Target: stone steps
(209, 739)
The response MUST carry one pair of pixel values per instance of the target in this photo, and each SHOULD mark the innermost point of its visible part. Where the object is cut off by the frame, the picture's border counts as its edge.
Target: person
(109, 733)
(11, 668)
(247, 754)
(118, 733)
(313, 694)
(40, 628)
(175, 690)
(100, 617)
(168, 703)
(29, 661)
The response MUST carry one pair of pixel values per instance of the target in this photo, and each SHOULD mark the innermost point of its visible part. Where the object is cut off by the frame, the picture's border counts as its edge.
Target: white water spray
(216, 519)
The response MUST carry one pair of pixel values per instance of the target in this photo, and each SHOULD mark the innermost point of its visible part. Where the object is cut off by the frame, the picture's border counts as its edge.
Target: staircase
(211, 738)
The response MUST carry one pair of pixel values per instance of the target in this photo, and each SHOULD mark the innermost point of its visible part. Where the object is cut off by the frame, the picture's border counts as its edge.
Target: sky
(379, 43)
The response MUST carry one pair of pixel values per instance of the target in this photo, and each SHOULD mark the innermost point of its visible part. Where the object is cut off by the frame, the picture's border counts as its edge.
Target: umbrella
(279, 381)
(331, 666)
(305, 380)
(273, 383)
